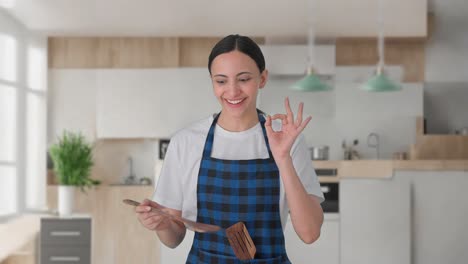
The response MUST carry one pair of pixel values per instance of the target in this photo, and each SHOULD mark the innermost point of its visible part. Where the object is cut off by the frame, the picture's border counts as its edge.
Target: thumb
(152, 203)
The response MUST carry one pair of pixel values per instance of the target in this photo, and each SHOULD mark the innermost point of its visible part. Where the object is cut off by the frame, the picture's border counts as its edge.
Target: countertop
(384, 168)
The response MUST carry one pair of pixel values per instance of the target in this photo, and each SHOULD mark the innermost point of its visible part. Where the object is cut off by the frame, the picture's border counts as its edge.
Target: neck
(237, 124)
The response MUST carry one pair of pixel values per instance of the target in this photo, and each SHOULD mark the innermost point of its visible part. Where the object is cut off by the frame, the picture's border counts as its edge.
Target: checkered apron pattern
(230, 191)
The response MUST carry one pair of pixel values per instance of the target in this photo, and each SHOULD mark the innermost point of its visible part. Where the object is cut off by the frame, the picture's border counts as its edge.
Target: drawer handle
(63, 258)
(65, 233)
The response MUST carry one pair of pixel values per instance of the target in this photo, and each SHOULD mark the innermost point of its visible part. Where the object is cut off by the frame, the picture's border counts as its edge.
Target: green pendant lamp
(380, 82)
(311, 82)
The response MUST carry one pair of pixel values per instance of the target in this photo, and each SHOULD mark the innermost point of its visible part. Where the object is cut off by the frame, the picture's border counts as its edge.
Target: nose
(232, 90)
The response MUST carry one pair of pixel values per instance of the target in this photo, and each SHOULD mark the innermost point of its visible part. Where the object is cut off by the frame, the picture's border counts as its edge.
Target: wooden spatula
(189, 224)
(241, 242)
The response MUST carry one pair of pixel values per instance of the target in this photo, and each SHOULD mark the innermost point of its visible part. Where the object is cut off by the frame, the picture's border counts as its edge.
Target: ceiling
(332, 18)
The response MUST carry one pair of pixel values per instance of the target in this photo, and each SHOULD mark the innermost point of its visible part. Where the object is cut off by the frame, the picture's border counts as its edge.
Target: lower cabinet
(324, 251)
(375, 222)
(65, 241)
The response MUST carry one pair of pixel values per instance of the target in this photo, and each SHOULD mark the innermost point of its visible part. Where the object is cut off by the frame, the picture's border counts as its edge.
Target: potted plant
(73, 160)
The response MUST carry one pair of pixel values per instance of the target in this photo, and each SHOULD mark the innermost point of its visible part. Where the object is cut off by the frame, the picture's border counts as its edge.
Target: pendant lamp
(311, 82)
(380, 82)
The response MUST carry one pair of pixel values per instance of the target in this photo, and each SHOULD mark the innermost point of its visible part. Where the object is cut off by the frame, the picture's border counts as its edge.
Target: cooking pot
(319, 152)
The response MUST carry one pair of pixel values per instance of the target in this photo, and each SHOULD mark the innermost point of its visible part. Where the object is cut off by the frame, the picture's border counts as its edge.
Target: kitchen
(100, 83)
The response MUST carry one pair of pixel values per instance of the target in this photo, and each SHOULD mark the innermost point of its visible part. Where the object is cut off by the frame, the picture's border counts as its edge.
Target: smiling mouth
(234, 102)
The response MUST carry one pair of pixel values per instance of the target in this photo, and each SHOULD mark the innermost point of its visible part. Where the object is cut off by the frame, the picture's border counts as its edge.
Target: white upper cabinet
(152, 103)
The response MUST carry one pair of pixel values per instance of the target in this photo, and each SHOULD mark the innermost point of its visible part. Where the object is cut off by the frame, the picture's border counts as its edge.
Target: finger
(142, 208)
(152, 204)
(299, 114)
(304, 124)
(161, 224)
(268, 128)
(289, 112)
(282, 117)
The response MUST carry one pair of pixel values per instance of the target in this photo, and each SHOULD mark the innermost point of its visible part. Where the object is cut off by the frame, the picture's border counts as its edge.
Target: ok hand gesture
(282, 141)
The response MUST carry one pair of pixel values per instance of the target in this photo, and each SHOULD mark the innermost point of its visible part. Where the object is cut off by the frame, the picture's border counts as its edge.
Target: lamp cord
(380, 22)
(311, 34)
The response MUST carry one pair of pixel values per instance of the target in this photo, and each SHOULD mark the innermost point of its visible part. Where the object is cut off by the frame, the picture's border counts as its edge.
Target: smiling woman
(237, 165)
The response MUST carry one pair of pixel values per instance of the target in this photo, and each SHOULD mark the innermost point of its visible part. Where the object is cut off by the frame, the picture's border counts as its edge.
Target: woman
(238, 166)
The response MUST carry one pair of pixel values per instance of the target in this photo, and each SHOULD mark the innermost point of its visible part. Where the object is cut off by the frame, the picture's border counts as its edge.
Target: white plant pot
(66, 199)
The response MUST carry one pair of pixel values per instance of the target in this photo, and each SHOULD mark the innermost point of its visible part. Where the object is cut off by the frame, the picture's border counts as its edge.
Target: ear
(263, 78)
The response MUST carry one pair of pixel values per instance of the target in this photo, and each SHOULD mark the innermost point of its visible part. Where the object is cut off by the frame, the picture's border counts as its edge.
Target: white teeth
(235, 101)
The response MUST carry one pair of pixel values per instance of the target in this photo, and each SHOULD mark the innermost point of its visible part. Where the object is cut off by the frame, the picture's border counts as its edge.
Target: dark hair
(241, 43)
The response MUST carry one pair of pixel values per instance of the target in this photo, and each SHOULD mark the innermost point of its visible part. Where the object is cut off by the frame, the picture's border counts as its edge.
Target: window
(23, 98)
(8, 125)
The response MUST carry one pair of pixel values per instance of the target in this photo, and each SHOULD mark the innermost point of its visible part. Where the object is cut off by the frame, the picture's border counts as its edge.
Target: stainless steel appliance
(330, 191)
(319, 152)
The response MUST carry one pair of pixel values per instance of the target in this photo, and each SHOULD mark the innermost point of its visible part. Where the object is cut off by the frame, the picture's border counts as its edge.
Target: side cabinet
(65, 241)
(324, 251)
(375, 223)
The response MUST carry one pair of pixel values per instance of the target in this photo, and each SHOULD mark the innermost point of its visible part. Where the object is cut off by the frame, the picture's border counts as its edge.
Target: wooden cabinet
(324, 251)
(117, 236)
(65, 240)
(151, 103)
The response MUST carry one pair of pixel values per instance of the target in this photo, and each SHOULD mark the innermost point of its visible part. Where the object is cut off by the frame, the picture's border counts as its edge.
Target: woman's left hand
(282, 141)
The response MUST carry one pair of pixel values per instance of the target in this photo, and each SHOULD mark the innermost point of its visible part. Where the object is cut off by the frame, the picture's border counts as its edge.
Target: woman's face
(236, 80)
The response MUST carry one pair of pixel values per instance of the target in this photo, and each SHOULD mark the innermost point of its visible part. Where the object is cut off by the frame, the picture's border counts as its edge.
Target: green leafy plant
(73, 159)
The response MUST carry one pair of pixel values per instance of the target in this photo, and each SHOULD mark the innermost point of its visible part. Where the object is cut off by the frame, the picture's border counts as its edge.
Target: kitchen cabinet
(324, 251)
(151, 103)
(375, 221)
(72, 102)
(117, 235)
(65, 240)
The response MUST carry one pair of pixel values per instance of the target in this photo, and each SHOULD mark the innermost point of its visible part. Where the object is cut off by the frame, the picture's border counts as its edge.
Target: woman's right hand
(150, 219)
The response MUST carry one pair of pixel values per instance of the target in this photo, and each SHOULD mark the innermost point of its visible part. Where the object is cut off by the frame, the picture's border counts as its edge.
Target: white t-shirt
(177, 184)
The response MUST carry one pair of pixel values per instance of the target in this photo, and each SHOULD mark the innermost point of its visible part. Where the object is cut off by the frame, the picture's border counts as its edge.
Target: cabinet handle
(64, 258)
(65, 233)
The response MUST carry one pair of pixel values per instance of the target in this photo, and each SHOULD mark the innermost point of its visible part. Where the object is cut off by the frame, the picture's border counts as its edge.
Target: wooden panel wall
(130, 52)
(410, 53)
(113, 52)
(438, 147)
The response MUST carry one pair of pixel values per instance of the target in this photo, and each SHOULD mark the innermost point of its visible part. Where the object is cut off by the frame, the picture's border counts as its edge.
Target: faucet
(373, 137)
(130, 179)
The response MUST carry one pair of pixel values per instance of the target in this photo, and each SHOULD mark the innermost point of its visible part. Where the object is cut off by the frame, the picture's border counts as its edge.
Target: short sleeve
(304, 168)
(168, 190)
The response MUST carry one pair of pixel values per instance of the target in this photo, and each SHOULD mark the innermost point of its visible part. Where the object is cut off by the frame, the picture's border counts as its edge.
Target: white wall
(447, 49)
(447, 68)
(350, 113)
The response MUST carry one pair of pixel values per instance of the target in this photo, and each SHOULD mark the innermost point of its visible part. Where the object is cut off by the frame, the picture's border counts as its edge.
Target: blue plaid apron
(230, 191)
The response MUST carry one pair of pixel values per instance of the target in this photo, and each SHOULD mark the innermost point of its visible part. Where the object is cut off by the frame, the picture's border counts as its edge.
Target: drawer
(65, 255)
(66, 231)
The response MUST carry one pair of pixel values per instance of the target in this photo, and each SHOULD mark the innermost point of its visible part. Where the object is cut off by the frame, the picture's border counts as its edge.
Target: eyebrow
(240, 73)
